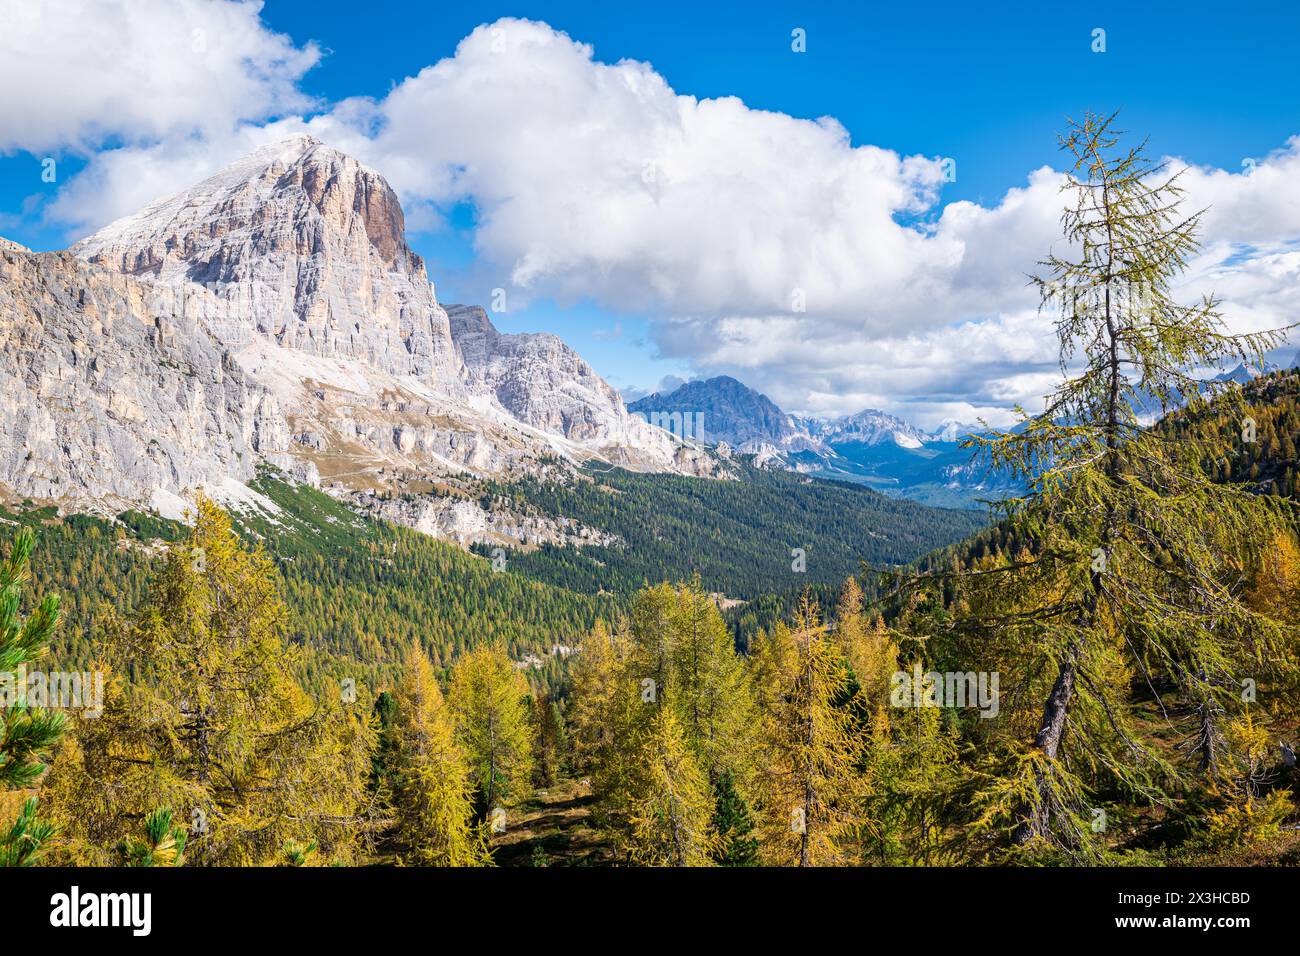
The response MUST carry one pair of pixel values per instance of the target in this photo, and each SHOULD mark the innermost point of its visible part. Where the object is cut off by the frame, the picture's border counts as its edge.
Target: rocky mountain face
(298, 245)
(111, 393)
(275, 312)
(467, 522)
(546, 385)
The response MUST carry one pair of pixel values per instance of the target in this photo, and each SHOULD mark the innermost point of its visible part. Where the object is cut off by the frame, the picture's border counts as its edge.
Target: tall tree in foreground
(600, 693)
(214, 724)
(709, 688)
(489, 698)
(27, 734)
(1138, 554)
(814, 753)
(672, 811)
(432, 795)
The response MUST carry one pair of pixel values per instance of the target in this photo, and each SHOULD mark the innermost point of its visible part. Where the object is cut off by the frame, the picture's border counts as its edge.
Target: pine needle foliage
(432, 796)
(1138, 555)
(27, 734)
(213, 722)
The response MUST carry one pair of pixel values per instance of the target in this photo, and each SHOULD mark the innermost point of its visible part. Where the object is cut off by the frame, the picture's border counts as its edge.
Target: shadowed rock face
(107, 393)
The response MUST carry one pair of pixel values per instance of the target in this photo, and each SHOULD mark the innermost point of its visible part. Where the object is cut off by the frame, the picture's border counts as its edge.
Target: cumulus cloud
(828, 275)
(598, 180)
(79, 73)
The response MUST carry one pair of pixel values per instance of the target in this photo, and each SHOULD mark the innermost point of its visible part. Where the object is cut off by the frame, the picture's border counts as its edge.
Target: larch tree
(926, 772)
(598, 679)
(651, 629)
(432, 791)
(710, 690)
(865, 643)
(671, 813)
(814, 768)
(609, 715)
(213, 723)
(1137, 556)
(489, 698)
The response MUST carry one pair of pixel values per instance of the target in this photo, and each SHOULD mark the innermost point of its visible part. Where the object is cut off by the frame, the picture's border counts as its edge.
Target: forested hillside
(772, 531)
(358, 590)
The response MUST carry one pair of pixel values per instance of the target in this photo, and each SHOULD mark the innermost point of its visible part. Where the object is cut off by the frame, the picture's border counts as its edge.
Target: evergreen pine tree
(163, 843)
(22, 843)
(27, 734)
(733, 824)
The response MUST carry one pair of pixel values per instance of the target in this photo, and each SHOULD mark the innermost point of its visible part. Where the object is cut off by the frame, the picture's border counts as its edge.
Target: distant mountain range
(1149, 409)
(870, 447)
(1244, 373)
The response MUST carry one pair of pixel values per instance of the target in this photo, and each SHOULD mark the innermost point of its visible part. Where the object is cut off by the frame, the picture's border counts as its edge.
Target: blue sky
(1212, 84)
(986, 86)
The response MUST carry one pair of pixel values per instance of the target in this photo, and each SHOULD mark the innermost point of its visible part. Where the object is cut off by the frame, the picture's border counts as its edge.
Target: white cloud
(78, 73)
(598, 180)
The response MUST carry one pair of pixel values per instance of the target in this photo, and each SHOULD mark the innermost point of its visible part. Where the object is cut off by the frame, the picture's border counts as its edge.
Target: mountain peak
(728, 411)
(329, 178)
(871, 426)
(298, 243)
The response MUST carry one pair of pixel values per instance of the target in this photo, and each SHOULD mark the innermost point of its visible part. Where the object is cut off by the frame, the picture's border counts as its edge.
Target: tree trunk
(1048, 739)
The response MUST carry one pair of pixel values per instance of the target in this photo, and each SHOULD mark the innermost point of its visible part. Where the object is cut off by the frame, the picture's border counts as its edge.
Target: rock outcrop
(296, 244)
